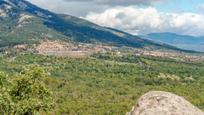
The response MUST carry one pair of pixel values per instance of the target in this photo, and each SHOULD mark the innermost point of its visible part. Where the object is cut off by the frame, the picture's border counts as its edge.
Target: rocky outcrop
(163, 103)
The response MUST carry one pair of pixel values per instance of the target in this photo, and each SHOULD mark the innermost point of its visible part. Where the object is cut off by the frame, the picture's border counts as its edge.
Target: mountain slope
(23, 22)
(180, 41)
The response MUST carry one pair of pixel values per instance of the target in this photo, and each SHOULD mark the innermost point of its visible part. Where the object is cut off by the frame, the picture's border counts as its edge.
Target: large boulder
(163, 103)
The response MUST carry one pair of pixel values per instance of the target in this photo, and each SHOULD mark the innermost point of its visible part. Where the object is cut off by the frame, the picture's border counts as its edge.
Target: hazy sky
(136, 16)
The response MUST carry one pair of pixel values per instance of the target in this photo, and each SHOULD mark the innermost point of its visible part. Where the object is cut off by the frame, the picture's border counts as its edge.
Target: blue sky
(136, 16)
(180, 6)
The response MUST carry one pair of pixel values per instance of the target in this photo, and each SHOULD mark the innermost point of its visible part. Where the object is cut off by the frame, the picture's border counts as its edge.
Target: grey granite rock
(163, 103)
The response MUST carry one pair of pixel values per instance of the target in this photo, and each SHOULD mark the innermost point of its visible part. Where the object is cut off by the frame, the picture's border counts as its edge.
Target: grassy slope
(110, 86)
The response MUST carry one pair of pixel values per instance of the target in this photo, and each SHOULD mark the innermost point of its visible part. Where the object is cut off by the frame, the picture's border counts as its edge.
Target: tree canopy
(24, 93)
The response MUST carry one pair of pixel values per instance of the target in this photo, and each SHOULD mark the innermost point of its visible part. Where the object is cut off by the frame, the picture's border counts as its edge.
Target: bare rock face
(163, 103)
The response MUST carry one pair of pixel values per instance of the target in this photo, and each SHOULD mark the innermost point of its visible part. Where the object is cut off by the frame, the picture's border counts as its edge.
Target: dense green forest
(102, 84)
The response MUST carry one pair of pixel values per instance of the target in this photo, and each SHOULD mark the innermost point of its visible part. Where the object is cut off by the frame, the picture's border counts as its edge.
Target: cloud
(201, 7)
(146, 20)
(83, 7)
(126, 16)
(72, 7)
(119, 2)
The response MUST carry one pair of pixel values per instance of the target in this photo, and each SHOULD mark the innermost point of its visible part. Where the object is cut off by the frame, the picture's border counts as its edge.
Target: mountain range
(181, 41)
(23, 23)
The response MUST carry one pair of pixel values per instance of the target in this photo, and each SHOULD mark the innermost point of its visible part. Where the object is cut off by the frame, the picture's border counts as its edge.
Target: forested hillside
(24, 23)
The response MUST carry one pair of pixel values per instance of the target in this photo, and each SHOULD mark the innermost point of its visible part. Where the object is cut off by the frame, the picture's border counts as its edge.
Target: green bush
(25, 93)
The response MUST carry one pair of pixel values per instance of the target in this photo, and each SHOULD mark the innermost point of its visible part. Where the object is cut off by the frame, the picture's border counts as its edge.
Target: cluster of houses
(173, 55)
(57, 48)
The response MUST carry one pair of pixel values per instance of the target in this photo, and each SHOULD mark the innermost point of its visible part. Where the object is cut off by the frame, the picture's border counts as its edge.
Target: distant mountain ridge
(22, 22)
(181, 41)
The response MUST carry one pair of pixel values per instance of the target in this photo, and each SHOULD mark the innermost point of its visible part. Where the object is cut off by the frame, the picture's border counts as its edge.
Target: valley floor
(110, 84)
